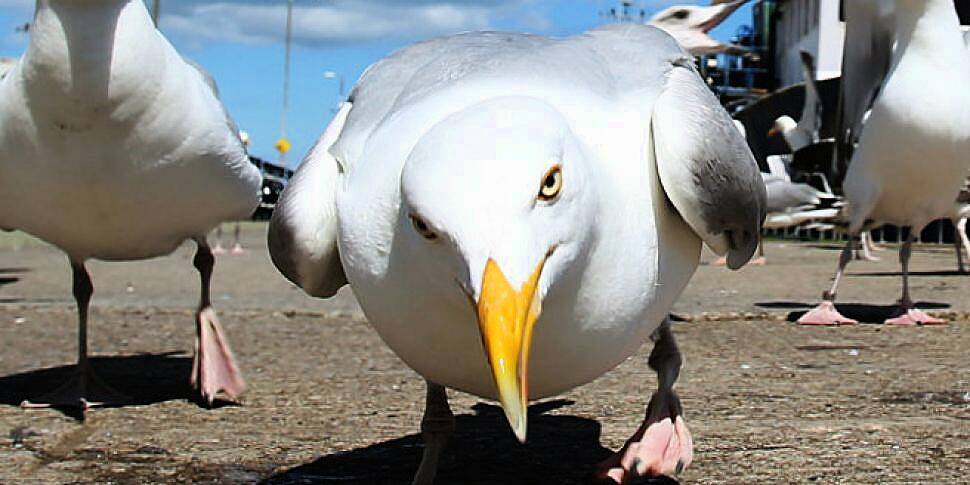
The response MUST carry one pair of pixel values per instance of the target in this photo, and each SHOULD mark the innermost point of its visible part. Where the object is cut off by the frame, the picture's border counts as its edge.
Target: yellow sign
(283, 145)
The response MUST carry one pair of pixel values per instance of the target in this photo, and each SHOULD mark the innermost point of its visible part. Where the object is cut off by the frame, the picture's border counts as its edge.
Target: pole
(286, 76)
(156, 11)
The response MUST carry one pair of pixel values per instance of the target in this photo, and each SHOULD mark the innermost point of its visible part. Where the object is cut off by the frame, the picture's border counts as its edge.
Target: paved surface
(767, 401)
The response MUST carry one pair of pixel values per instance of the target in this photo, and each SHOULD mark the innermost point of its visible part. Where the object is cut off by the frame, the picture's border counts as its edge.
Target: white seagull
(690, 24)
(911, 159)
(517, 214)
(115, 148)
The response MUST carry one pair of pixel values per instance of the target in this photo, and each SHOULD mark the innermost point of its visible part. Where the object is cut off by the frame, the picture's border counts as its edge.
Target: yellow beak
(506, 318)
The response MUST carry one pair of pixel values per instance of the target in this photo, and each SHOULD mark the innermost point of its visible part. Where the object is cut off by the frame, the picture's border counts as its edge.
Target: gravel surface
(767, 401)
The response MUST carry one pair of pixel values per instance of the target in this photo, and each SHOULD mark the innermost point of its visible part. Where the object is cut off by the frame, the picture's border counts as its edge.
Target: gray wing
(866, 59)
(302, 235)
(706, 168)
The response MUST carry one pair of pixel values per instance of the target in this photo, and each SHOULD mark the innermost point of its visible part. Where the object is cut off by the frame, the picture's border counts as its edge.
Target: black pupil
(421, 225)
(550, 181)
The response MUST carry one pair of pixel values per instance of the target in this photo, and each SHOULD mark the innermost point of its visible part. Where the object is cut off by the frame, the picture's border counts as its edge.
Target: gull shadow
(783, 304)
(145, 378)
(561, 449)
(866, 313)
(14, 270)
(898, 274)
(6, 280)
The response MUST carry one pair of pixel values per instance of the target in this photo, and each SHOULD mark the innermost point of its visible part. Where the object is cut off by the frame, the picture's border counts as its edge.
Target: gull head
(783, 124)
(695, 17)
(690, 24)
(498, 205)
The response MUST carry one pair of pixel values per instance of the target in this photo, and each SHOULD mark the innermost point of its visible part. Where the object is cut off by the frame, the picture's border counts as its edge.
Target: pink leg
(865, 255)
(84, 389)
(237, 248)
(662, 445)
(218, 249)
(906, 315)
(213, 368)
(760, 260)
(825, 313)
(721, 261)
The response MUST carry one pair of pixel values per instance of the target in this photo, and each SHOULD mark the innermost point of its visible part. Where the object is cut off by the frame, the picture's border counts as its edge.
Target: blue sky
(241, 43)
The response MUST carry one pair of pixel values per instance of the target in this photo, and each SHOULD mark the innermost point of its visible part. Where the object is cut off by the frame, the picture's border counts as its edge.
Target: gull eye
(551, 184)
(680, 14)
(422, 227)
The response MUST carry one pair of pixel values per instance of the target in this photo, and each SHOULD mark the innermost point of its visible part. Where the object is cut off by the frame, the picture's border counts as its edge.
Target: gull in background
(911, 158)
(690, 25)
(116, 148)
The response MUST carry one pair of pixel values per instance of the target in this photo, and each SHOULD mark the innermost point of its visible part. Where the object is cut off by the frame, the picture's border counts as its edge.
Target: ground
(768, 401)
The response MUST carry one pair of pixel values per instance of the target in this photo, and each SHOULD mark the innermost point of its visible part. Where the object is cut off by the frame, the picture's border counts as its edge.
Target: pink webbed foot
(914, 317)
(722, 261)
(759, 261)
(214, 368)
(660, 447)
(218, 249)
(237, 250)
(825, 314)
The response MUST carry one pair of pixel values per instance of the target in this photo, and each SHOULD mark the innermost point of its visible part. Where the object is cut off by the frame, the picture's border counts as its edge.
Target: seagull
(690, 24)
(806, 131)
(911, 158)
(517, 214)
(116, 148)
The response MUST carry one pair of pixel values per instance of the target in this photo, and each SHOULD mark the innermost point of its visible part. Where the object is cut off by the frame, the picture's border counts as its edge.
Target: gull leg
(760, 260)
(218, 249)
(237, 248)
(866, 246)
(84, 389)
(961, 229)
(825, 313)
(907, 315)
(437, 426)
(214, 367)
(662, 445)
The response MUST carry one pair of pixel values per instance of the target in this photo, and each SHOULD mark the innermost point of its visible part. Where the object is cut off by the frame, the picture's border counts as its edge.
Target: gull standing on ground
(115, 148)
(476, 191)
(911, 159)
(690, 24)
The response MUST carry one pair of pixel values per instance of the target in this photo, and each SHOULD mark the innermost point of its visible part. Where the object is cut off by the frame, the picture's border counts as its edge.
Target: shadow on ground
(561, 449)
(145, 378)
(862, 312)
(898, 274)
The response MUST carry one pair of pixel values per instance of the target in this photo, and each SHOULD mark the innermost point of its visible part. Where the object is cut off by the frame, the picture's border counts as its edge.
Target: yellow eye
(422, 227)
(551, 184)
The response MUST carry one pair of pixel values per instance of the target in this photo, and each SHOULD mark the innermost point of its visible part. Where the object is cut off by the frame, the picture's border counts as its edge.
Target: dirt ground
(767, 401)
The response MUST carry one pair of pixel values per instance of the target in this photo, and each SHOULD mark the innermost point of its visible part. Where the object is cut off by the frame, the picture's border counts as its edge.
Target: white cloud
(333, 22)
